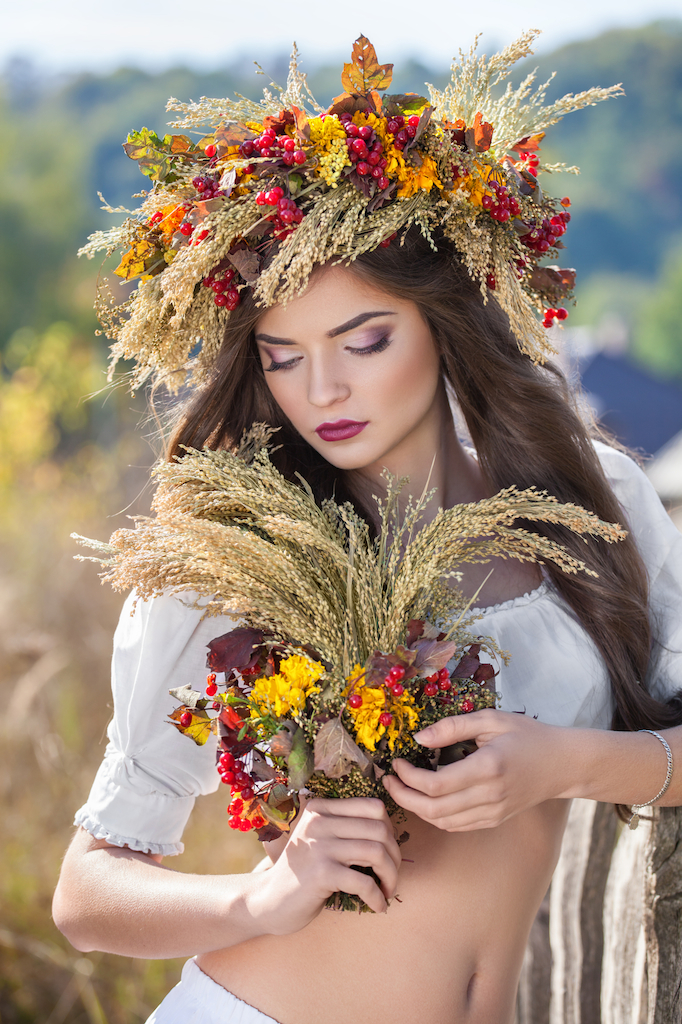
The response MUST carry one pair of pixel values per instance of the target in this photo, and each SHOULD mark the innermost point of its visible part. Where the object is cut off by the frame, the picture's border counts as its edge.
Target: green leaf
(300, 761)
(155, 155)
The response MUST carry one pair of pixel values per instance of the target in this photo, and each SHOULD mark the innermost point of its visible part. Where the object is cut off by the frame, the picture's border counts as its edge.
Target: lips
(341, 430)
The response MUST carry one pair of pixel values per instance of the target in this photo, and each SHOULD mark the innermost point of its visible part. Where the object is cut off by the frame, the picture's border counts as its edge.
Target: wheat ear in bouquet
(345, 637)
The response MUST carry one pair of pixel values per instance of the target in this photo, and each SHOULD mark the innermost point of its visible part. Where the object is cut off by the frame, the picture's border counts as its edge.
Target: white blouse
(151, 774)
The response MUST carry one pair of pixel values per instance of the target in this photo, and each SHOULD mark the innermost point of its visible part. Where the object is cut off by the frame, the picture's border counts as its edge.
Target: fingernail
(423, 734)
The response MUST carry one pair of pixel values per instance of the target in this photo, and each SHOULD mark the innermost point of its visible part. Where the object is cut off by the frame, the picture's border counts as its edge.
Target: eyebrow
(350, 325)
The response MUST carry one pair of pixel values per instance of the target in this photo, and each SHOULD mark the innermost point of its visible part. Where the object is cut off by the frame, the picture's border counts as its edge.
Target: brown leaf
(364, 73)
(263, 771)
(280, 744)
(553, 282)
(248, 264)
(335, 750)
(231, 134)
(433, 655)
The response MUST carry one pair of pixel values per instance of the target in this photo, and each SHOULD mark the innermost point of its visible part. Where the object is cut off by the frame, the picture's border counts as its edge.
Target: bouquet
(345, 638)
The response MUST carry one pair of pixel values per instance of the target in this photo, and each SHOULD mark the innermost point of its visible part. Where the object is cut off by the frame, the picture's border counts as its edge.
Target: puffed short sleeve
(660, 544)
(151, 774)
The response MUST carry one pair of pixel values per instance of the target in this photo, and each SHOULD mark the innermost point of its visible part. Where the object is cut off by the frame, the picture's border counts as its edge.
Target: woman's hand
(520, 763)
(316, 862)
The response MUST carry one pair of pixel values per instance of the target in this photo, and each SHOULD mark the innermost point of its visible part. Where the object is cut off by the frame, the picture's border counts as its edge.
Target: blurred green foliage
(73, 462)
(658, 332)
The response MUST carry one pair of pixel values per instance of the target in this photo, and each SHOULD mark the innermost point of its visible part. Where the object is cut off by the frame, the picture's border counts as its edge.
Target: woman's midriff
(449, 952)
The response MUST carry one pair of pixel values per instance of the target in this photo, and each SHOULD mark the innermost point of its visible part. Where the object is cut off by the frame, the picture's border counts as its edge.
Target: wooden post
(663, 917)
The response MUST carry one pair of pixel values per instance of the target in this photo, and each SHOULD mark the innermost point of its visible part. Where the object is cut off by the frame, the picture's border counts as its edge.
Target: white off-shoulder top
(146, 785)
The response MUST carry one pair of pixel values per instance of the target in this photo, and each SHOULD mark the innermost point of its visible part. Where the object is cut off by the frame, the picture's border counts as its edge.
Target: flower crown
(278, 187)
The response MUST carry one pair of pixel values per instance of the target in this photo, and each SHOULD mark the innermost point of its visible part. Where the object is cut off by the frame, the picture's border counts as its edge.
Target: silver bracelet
(636, 808)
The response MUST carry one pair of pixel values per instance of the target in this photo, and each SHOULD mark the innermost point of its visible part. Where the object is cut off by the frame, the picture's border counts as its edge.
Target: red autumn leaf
(240, 649)
(364, 73)
(480, 135)
(467, 665)
(484, 673)
(529, 144)
(415, 629)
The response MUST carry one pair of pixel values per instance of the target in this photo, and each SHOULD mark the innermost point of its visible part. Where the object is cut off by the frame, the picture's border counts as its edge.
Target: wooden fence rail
(606, 946)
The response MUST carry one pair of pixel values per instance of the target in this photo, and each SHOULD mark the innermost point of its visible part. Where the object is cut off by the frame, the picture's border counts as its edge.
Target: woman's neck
(434, 460)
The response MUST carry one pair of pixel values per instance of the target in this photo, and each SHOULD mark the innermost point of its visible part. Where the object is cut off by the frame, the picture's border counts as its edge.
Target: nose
(326, 385)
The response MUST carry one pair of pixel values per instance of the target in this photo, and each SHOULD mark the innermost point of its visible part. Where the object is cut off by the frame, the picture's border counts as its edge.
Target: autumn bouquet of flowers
(343, 638)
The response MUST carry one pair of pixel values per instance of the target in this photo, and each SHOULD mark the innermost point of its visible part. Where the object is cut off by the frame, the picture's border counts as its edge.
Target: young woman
(357, 372)
(361, 371)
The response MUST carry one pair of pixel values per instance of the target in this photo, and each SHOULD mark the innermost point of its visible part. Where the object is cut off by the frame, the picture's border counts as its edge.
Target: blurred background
(75, 78)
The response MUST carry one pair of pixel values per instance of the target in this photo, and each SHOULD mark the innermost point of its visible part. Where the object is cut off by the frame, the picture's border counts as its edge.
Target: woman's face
(356, 371)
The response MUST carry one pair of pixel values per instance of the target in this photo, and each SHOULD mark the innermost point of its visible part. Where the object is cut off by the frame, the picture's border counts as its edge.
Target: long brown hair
(523, 424)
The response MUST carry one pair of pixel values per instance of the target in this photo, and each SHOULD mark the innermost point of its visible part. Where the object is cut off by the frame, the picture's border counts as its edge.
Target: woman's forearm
(118, 901)
(623, 767)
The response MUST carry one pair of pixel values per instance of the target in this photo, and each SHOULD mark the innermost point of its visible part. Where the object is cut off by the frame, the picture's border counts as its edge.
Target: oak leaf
(336, 750)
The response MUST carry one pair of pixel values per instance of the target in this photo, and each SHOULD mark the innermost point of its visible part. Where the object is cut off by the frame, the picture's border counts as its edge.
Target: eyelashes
(378, 346)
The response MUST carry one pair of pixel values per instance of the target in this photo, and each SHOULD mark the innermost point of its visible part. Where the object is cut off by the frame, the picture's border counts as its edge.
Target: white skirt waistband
(197, 999)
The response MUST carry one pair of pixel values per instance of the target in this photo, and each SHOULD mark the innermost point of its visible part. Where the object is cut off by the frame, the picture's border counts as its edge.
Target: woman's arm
(521, 763)
(119, 901)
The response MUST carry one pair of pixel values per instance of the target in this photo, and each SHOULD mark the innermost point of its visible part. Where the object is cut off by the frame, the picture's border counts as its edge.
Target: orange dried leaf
(364, 73)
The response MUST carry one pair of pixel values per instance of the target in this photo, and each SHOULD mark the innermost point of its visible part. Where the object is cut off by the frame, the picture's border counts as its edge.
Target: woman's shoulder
(643, 512)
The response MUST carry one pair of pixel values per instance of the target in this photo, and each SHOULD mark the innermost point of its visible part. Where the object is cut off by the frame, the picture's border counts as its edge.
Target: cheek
(410, 382)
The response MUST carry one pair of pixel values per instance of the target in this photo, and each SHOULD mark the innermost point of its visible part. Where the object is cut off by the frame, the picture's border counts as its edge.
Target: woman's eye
(378, 346)
(286, 365)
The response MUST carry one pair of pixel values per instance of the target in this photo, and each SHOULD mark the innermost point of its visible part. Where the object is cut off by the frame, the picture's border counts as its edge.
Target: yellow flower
(413, 179)
(287, 690)
(375, 702)
(329, 138)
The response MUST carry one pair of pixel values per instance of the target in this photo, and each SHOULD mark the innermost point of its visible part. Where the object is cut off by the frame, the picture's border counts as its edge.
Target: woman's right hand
(316, 862)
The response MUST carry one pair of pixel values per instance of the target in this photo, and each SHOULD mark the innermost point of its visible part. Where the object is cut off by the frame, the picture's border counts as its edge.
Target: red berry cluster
(502, 205)
(278, 147)
(554, 314)
(243, 824)
(233, 772)
(365, 150)
(287, 214)
(542, 237)
(207, 186)
(402, 132)
(211, 685)
(439, 681)
(532, 161)
(227, 295)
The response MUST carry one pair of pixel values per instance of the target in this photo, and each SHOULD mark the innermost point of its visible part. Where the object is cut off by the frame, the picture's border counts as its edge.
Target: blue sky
(72, 35)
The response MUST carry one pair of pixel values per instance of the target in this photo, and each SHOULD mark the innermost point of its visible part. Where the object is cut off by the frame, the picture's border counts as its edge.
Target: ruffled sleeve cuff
(126, 810)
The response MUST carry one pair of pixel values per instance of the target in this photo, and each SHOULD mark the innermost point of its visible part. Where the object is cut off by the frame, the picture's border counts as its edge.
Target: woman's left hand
(520, 763)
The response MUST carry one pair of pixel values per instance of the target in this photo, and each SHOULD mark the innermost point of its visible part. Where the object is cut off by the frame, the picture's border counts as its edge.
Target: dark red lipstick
(341, 430)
